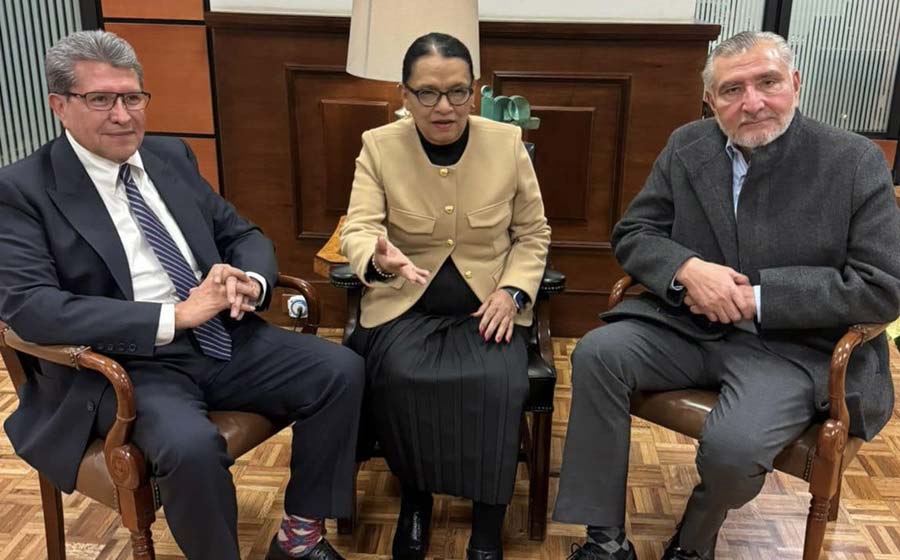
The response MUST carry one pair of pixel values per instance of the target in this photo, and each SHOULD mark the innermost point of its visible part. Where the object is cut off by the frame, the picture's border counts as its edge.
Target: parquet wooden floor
(662, 474)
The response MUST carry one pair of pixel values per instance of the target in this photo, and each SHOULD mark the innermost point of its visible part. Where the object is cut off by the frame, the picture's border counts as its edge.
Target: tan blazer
(486, 211)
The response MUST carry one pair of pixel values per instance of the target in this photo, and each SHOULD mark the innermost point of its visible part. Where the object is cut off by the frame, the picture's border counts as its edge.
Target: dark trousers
(282, 375)
(765, 402)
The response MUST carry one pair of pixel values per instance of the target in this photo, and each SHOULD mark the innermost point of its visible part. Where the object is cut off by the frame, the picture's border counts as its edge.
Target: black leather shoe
(675, 552)
(475, 554)
(413, 530)
(322, 551)
(590, 551)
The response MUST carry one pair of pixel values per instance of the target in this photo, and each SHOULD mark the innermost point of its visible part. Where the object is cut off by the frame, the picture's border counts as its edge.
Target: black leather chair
(535, 447)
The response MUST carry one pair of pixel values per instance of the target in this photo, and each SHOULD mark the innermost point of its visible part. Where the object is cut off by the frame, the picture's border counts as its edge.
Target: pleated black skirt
(444, 404)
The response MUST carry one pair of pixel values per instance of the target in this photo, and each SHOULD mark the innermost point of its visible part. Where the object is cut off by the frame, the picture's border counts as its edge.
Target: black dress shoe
(413, 529)
(675, 552)
(475, 554)
(591, 551)
(322, 551)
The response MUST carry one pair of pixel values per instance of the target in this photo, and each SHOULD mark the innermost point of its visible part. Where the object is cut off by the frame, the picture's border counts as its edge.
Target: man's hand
(391, 260)
(202, 304)
(211, 296)
(746, 302)
(241, 290)
(713, 290)
(497, 314)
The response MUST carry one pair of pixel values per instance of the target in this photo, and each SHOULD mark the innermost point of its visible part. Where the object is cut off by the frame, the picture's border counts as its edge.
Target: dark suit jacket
(65, 280)
(817, 228)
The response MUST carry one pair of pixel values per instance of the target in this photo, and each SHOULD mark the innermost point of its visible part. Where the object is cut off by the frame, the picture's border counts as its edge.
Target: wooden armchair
(819, 456)
(113, 471)
(535, 447)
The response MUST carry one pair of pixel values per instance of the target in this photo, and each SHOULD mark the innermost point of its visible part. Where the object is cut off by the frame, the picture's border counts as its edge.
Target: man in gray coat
(760, 237)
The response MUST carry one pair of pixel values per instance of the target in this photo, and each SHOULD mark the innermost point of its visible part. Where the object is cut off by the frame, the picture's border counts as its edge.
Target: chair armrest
(553, 282)
(308, 291)
(343, 277)
(124, 461)
(618, 290)
(856, 336)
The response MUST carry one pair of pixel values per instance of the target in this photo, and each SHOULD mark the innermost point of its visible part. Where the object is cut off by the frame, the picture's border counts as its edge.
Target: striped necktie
(212, 337)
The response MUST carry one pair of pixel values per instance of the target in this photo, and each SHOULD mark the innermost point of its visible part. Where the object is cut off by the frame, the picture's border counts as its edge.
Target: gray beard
(751, 141)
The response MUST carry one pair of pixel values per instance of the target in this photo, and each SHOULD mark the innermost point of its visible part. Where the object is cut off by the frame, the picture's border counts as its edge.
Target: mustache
(759, 117)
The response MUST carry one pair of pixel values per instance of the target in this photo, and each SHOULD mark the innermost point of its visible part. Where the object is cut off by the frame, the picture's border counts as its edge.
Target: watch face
(518, 298)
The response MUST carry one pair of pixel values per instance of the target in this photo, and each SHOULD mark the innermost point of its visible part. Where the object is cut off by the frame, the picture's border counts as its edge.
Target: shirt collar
(732, 149)
(103, 172)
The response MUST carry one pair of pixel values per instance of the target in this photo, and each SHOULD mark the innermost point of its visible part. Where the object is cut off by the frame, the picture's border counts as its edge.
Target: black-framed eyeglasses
(106, 100)
(430, 97)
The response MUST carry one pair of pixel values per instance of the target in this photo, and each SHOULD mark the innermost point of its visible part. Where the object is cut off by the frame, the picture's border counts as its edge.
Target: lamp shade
(382, 30)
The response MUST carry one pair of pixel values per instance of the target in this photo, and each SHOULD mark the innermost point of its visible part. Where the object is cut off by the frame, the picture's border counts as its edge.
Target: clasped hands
(497, 312)
(224, 287)
(719, 292)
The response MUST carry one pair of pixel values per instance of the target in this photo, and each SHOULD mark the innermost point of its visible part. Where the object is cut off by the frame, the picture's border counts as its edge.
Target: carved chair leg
(835, 502)
(347, 525)
(138, 511)
(54, 526)
(815, 527)
(142, 545)
(539, 475)
(824, 485)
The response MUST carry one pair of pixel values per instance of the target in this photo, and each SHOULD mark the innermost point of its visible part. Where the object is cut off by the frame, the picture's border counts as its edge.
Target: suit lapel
(77, 199)
(184, 209)
(711, 176)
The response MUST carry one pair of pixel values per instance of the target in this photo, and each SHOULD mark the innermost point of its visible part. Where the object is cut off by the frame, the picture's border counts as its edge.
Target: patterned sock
(611, 540)
(298, 535)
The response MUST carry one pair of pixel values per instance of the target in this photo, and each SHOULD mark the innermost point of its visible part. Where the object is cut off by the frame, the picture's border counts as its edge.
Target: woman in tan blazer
(446, 228)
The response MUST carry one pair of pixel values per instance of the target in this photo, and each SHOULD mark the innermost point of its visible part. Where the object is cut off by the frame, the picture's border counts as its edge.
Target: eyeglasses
(106, 100)
(431, 97)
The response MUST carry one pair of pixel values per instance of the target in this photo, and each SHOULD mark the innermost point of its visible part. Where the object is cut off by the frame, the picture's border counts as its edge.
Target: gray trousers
(765, 402)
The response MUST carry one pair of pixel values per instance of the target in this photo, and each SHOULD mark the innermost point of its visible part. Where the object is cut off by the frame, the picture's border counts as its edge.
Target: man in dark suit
(114, 241)
(760, 237)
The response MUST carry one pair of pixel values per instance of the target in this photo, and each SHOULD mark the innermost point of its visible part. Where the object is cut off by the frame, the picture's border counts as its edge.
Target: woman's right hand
(391, 260)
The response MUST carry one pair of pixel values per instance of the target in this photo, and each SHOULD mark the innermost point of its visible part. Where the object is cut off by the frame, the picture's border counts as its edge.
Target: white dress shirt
(149, 280)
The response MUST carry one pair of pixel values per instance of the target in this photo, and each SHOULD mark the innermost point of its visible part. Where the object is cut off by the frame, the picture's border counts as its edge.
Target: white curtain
(847, 52)
(27, 29)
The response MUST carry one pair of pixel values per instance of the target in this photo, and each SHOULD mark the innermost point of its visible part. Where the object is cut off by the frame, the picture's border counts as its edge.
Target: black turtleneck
(445, 154)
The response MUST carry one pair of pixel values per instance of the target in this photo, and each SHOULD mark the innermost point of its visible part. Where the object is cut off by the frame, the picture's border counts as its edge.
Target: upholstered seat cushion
(242, 432)
(685, 411)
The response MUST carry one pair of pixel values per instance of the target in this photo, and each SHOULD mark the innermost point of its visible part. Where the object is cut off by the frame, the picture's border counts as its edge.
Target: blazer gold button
(448, 209)
(467, 274)
(449, 243)
(444, 172)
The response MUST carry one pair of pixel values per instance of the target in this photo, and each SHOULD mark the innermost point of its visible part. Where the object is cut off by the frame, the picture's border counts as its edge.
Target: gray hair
(743, 42)
(87, 46)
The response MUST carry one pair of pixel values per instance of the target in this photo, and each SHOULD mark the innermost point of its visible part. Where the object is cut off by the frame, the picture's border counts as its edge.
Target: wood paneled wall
(171, 42)
(889, 147)
(185, 10)
(608, 96)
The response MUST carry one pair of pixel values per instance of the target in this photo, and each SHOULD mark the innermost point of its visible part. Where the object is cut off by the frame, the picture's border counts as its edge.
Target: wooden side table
(329, 256)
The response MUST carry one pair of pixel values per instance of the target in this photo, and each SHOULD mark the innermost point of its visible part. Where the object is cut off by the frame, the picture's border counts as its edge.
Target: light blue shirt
(739, 168)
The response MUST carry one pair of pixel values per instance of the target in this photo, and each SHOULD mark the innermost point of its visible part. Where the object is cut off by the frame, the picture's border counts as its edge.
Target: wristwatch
(517, 295)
